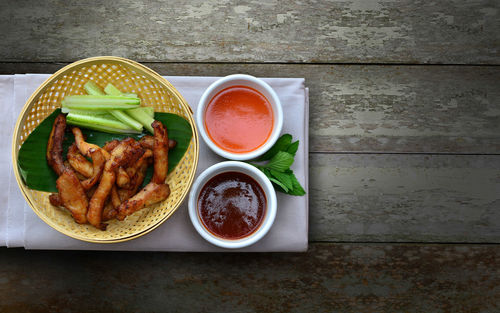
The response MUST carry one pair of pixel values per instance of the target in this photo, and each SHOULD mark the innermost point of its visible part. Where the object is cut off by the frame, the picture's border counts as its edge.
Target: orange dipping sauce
(239, 119)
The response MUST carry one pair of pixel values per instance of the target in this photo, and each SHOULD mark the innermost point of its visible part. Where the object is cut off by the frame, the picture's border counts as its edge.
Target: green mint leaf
(296, 189)
(267, 172)
(277, 182)
(280, 162)
(283, 178)
(281, 145)
(293, 147)
(280, 157)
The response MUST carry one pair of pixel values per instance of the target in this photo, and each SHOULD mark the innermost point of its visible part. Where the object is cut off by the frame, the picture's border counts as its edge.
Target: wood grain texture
(358, 108)
(328, 278)
(352, 31)
(404, 198)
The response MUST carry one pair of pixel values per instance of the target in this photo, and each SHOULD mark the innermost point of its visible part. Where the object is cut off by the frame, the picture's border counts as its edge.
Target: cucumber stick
(93, 89)
(99, 122)
(112, 90)
(123, 117)
(127, 94)
(142, 115)
(91, 102)
(109, 111)
(149, 111)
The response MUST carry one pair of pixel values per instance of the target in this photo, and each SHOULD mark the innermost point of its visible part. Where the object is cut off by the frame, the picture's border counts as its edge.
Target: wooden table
(404, 153)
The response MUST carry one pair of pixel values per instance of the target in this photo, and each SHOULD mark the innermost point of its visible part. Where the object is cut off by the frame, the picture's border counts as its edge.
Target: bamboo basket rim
(110, 59)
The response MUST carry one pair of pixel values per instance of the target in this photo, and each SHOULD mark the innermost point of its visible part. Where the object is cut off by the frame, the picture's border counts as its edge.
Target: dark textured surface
(351, 31)
(328, 278)
(404, 198)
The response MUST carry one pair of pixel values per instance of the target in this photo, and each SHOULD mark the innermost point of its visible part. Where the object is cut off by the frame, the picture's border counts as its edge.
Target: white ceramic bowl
(259, 177)
(240, 80)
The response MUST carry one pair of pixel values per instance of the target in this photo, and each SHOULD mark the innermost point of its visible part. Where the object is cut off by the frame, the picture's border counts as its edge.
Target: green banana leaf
(38, 175)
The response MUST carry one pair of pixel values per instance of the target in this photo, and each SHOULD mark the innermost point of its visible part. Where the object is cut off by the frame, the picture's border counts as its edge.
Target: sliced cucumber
(99, 122)
(92, 89)
(112, 90)
(142, 115)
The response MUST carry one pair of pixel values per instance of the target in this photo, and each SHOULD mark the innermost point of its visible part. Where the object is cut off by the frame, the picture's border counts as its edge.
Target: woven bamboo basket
(128, 76)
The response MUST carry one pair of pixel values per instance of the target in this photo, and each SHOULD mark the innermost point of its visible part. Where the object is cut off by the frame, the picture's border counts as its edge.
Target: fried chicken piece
(136, 180)
(156, 190)
(84, 146)
(115, 198)
(110, 145)
(122, 178)
(72, 195)
(78, 162)
(54, 145)
(171, 144)
(96, 205)
(55, 200)
(98, 162)
(110, 208)
(78, 175)
(126, 152)
(131, 170)
(109, 212)
(150, 194)
(147, 142)
(91, 191)
(160, 153)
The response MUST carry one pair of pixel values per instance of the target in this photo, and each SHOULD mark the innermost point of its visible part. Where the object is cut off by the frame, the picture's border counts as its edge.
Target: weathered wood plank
(404, 198)
(329, 278)
(352, 31)
(436, 109)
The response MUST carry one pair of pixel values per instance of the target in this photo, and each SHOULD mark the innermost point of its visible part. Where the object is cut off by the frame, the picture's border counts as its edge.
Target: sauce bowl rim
(277, 111)
(259, 177)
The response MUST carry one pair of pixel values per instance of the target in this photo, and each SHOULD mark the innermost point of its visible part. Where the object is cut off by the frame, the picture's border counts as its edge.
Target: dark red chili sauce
(232, 205)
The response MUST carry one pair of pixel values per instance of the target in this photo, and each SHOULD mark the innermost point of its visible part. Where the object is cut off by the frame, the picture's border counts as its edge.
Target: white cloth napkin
(21, 227)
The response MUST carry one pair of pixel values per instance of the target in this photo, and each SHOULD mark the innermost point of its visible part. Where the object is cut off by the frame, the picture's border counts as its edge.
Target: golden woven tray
(128, 76)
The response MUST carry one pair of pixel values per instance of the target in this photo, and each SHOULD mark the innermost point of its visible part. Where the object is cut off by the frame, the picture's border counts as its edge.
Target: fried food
(72, 195)
(115, 198)
(112, 180)
(131, 170)
(128, 151)
(150, 194)
(54, 145)
(78, 162)
(147, 142)
(160, 153)
(137, 179)
(171, 144)
(96, 205)
(84, 146)
(98, 162)
(156, 190)
(122, 178)
(55, 200)
(110, 145)
(109, 212)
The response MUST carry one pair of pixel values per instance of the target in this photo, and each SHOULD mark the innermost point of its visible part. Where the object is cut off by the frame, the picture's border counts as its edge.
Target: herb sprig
(277, 168)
